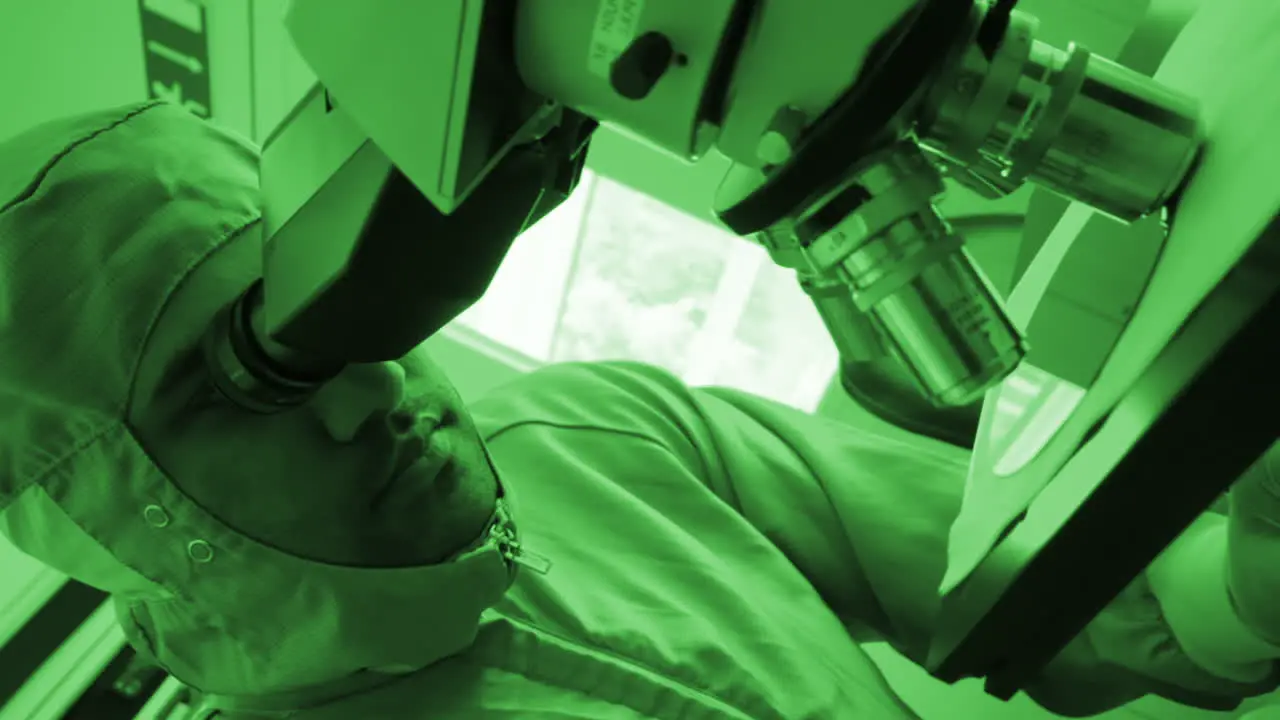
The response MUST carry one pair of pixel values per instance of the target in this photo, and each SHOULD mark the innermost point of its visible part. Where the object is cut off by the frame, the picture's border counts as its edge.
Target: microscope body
(440, 131)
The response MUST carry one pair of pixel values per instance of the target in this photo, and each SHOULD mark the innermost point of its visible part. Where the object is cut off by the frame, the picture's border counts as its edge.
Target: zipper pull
(516, 553)
(513, 551)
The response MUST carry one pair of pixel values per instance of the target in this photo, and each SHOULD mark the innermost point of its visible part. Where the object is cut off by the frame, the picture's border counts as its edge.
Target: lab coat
(716, 555)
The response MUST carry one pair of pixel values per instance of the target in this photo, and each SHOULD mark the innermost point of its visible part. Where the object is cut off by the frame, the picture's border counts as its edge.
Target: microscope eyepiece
(246, 372)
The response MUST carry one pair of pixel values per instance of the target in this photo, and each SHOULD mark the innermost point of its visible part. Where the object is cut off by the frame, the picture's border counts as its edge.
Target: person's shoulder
(615, 394)
(618, 375)
(589, 383)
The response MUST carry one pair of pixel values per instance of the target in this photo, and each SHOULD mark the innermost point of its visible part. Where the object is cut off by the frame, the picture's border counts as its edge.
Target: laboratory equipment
(1115, 374)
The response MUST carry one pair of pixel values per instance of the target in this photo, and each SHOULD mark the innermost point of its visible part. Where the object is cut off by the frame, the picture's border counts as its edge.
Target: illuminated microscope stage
(1158, 436)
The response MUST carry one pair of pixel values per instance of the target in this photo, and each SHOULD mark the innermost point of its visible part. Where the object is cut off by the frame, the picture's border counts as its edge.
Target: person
(594, 540)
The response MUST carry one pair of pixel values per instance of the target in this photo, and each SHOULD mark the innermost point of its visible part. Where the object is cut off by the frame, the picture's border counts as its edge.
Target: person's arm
(1253, 545)
(1217, 583)
(1221, 506)
(865, 515)
(1190, 581)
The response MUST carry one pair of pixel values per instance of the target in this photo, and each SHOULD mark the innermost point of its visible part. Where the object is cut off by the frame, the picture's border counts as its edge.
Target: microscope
(1123, 386)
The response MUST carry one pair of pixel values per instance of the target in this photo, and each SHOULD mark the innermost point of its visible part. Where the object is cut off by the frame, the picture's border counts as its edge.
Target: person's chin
(448, 515)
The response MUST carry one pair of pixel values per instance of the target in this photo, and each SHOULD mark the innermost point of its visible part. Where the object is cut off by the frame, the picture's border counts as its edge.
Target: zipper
(513, 550)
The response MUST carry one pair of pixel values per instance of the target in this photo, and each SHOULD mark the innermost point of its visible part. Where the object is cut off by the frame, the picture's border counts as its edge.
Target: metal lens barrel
(1067, 120)
(910, 287)
(246, 368)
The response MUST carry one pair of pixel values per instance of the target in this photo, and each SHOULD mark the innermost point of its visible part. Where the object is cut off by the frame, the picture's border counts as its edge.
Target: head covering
(101, 217)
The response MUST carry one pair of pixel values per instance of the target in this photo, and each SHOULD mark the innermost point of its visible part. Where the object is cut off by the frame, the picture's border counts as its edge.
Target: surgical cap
(101, 217)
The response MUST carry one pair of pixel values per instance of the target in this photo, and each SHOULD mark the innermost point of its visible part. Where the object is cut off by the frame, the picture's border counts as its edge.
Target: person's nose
(362, 393)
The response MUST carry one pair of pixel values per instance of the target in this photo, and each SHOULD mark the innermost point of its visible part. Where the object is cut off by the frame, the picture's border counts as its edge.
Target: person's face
(305, 480)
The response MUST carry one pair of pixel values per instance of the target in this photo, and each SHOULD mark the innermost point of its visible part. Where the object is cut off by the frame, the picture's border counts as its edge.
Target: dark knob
(641, 65)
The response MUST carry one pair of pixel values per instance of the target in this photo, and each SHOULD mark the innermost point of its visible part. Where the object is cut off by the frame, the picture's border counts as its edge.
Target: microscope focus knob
(639, 68)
